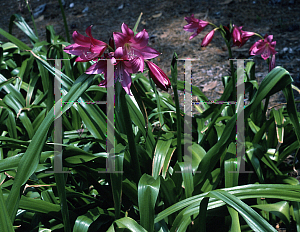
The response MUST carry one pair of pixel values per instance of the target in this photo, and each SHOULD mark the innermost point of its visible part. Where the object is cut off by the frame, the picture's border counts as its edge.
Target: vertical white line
(57, 160)
(188, 117)
(110, 147)
(240, 124)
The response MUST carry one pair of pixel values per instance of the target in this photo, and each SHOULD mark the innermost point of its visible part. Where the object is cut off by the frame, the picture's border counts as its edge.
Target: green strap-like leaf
(148, 190)
(13, 39)
(129, 223)
(160, 153)
(5, 222)
(30, 159)
(280, 209)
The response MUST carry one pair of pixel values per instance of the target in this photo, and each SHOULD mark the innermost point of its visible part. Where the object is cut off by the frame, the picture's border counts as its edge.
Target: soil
(164, 20)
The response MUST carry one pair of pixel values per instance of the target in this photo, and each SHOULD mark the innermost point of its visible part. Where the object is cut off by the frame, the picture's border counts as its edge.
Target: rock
(285, 49)
(39, 10)
(85, 10)
(121, 6)
(71, 5)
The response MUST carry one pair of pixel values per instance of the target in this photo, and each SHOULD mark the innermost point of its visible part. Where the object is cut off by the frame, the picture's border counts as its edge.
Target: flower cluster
(128, 54)
(264, 47)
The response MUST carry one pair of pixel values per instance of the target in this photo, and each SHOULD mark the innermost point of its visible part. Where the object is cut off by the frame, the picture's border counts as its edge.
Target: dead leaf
(226, 2)
(157, 15)
(209, 86)
(39, 19)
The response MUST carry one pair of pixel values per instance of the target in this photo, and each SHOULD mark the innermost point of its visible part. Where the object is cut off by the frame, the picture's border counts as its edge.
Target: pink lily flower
(86, 48)
(123, 68)
(264, 47)
(272, 63)
(208, 38)
(194, 25)
(240, 37)
(158, 76)
(134, 45)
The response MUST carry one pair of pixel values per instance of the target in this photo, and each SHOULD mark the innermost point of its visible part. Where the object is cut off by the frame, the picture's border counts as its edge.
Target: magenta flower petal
(98, 68)
(98, 49)
(126, 30)
(191, 19)
(272, 63)
(120, 39)
(194, 25)
(81, 39)
(264, 47)
(193, 35)
(269, 38)
(76, 49)
(191, 27)
(202, 23)
(123, 76)
(126, 82)
(141, 38)
(158, 76)
(79, 59)
(236, 35)
(148, 53)
(137, 64)
(247, 34)
(103, 83)
(119, 53)
(240, 37)
(87, 48)
(207, 39)
(134, 46)
(88, 31)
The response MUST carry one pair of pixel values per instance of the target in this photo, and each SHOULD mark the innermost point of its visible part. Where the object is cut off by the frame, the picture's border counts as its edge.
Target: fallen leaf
(39, 19)
(209, 86)
(157, 15)
(226, 2)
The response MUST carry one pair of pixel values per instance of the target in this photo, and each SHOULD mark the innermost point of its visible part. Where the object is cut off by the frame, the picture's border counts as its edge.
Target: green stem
(60, 184)
(65, 21)
(259, 36)
(137, 23)
(110, 48)
(266, 108)
(176, 99)
(232, 72)
(30, 11)
(160, 115)
(126, 121)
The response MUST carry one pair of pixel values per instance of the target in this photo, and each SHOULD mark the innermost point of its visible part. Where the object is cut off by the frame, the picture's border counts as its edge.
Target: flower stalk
(65, 21)
(176, 99)
(125, 121)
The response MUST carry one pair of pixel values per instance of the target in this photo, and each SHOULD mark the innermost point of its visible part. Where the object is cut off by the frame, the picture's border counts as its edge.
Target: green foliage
(154, 192)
